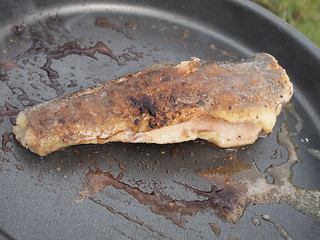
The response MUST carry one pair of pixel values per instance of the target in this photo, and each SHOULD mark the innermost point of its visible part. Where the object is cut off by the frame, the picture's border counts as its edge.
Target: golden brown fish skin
(247, 91)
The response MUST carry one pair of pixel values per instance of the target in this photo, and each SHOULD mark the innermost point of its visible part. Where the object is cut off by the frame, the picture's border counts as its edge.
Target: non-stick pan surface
(144, 191)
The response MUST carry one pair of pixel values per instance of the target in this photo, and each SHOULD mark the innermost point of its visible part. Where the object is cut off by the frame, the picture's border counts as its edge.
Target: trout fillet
(227, 103)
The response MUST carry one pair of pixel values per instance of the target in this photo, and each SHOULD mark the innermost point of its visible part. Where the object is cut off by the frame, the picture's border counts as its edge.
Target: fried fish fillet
(227, 103)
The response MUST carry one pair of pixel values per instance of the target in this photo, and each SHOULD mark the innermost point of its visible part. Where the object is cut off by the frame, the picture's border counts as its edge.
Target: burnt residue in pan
(106, 23)
(234, 186)
(48, 41)
(130, 54)
(4, 68)
(159, 203)
(22, 96)
(7, 110)
(6, 138)
(71, 48)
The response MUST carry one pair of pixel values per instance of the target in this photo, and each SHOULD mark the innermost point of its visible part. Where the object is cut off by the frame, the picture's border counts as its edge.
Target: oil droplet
(277, 226)
(175, 150)
(123, 149)
(291, 109)
(181, 169)
(132, 25)
(255, 221)
(216, 229)
(277, 154)
(19, 167)
(186, 34)
(162, 151)
(213, 47)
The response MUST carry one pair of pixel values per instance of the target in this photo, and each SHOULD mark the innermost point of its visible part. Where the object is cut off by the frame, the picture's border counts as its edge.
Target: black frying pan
(40, 197)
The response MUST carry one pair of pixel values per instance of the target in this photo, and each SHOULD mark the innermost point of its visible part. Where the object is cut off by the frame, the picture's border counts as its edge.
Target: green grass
(304, 15)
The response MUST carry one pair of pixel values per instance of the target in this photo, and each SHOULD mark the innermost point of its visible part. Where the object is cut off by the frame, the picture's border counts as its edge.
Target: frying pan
(44, 198)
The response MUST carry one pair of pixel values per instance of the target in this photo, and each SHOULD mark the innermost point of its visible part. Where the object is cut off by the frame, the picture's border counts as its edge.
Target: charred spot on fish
(62, 121)
(172, 98)
(147, 109)
(42, 122)
(202, 103)
(163, 120)
(165, 79)
(137, 121)
(172, 102)
(224, 207)
(177, 113)
(145, 105)
(134, 102)
(151, 123)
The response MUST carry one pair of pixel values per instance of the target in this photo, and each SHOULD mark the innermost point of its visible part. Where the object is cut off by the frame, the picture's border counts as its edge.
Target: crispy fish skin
(164, 104)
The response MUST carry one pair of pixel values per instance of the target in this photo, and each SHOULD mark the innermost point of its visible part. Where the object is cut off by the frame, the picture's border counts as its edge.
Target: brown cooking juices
(234, 186)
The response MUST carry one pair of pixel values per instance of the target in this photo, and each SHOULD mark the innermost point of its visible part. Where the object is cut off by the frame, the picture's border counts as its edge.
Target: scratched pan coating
(145, 191)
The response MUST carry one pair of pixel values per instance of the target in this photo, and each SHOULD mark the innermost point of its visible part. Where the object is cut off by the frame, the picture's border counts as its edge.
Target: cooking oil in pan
(234, 186)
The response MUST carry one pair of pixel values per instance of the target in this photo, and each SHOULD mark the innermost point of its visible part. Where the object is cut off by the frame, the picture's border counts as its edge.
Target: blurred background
(304, 15)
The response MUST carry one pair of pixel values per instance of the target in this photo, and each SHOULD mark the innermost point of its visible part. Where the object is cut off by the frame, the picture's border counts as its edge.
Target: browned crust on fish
(236, 92)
